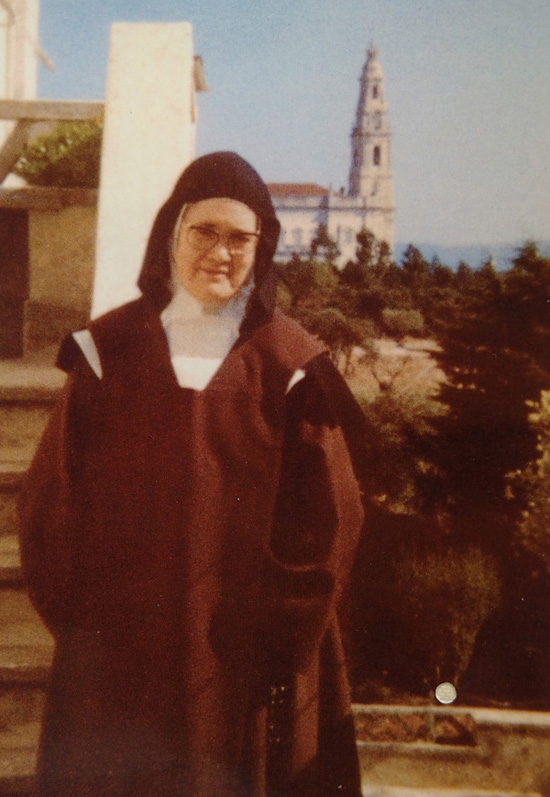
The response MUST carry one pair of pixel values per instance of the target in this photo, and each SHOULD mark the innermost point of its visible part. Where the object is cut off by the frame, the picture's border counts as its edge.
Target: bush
(419, 601)
(68, 158)
(445, 595)
(398, 323)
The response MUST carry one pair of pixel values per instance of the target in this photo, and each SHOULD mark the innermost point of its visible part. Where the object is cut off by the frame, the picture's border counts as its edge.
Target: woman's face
(215, 248)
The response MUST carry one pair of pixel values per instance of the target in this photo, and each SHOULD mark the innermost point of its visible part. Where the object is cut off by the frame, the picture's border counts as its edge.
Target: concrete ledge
(57, 110)
(483, 716)
(46, 198)
(388, 791)
(423, 748)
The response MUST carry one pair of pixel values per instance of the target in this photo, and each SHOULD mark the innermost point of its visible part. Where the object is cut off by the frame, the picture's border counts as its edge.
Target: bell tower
(370, 174)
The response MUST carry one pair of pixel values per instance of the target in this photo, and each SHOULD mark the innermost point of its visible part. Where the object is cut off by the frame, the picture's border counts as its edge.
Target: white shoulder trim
(296, 377)
(89, 350)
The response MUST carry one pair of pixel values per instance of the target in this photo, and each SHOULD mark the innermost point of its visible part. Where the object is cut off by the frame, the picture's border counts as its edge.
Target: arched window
(375, 91)
(376, 156)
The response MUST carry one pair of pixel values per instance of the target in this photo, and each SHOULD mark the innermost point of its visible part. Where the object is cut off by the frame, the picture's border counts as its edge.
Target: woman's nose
(221, 249)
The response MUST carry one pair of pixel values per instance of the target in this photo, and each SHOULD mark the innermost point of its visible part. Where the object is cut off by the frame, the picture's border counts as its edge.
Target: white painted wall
(299, 225)
(344, 217)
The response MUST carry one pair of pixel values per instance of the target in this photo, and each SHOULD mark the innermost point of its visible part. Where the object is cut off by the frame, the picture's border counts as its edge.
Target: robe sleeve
(48, 520)
(317, 522)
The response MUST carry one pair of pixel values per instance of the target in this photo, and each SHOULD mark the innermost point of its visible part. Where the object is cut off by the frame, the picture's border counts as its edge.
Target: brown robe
(188, 550)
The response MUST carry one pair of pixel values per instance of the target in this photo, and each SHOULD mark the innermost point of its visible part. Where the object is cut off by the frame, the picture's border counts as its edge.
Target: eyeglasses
(206, 238)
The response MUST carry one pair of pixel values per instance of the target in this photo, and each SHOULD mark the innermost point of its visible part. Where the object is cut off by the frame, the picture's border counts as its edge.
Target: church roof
(282, 190)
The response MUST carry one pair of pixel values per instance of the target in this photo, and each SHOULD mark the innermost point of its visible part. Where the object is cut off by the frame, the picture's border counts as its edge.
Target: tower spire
(370, 173)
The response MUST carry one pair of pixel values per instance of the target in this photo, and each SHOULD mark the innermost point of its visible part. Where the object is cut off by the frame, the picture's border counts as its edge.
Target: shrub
(398, 323)
(69, 157)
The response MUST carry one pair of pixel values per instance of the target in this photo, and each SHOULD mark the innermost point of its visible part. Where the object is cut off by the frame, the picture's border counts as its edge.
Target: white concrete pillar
(18, 53)
(25, 62)
(6, 22)
(148, 138)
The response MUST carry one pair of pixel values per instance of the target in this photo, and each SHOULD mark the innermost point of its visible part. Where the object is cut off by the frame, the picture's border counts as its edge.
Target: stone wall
(60, 255)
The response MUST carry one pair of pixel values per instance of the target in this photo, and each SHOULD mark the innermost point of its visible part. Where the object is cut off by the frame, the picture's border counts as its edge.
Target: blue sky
(466, 83)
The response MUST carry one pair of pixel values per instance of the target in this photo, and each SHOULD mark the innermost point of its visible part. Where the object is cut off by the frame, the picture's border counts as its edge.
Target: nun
(189, 522)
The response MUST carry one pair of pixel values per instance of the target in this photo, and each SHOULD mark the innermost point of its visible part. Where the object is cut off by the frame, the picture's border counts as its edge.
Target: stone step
(27, 394)
(21, 425)
(21, 626)
(21, 706)
(11, 477)
(24, 670)
(28, 390)
(25, 661)
(26, 653)
(10, 563)
(17, 766)
(23, 666)
(34, 375)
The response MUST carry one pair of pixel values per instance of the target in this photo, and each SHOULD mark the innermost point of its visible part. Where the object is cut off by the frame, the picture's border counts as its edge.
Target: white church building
(368, 203)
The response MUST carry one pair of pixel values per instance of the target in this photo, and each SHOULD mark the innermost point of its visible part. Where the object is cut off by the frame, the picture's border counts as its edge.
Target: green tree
(400, 323)
(526, 299)
(323, 247)
(492, 372)
(534, 482)
(416, 270)
(464, 275)
(441, 276)
(339, 333)
(383, 258)
(358, 272)
(367, 249)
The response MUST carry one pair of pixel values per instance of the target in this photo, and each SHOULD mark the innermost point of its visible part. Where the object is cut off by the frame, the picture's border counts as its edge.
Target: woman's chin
(215, 293)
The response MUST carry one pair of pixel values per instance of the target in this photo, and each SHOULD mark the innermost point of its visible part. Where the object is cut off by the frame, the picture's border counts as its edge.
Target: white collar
(201, 336)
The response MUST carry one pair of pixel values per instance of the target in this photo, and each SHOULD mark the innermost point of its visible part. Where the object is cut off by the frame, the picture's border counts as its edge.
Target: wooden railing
(28, 112)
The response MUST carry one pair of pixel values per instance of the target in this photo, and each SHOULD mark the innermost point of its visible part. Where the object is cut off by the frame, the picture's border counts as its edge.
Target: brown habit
(188, 549)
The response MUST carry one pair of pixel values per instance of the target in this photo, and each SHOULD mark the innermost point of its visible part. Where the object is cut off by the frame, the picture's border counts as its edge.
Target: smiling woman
(215, 248)
(189, 523)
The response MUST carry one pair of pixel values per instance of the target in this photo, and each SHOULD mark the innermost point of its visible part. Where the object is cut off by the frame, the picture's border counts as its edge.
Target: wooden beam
(38, 110)
(199, 74)
(12, 147)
